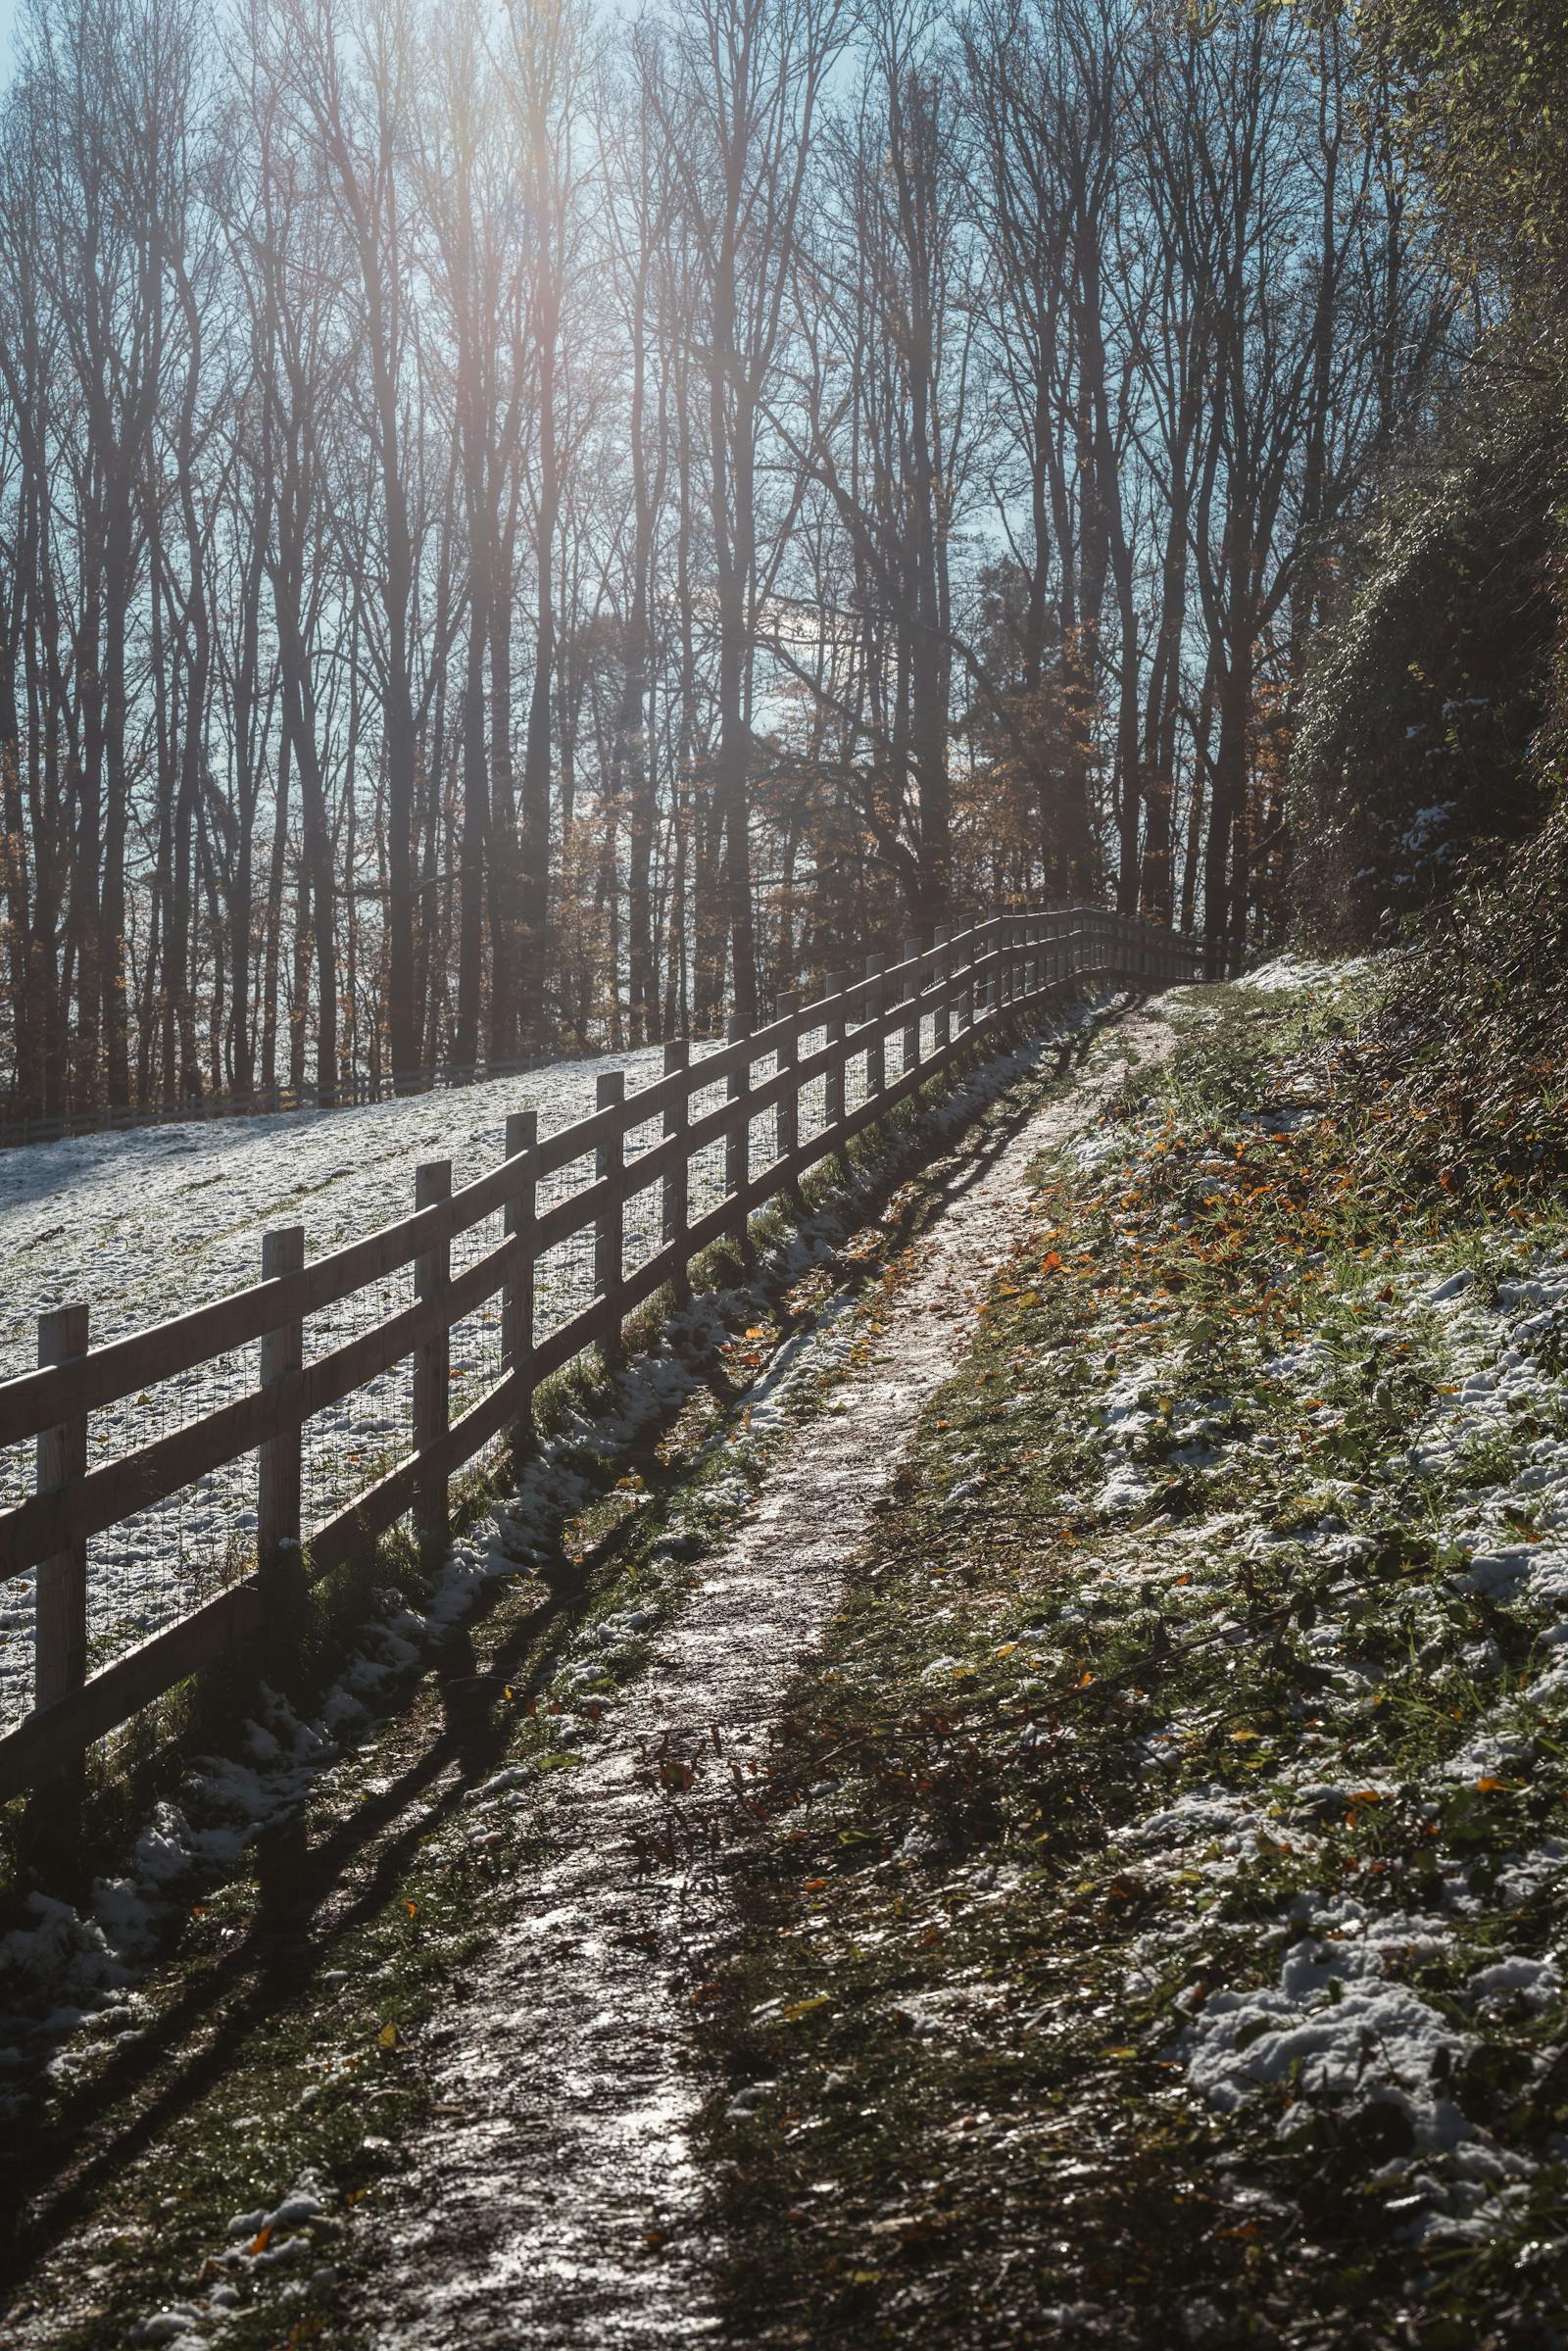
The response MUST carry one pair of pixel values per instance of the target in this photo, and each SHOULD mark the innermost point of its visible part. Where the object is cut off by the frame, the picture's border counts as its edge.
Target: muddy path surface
(556, 2200)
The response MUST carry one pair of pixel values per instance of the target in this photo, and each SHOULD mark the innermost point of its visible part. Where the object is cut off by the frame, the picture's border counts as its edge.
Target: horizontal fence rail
(442, 1326)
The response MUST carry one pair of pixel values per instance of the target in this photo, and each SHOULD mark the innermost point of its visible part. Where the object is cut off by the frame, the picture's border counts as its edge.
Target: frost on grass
(1292, 974)
(1247, 1639)
(1394, 2024)
(72, 1970)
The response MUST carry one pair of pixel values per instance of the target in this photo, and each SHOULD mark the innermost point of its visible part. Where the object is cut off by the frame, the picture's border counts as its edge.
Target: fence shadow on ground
(161, 2076)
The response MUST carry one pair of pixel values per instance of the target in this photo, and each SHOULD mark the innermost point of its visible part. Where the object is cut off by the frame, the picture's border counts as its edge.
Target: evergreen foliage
(1434, 720)
(1428, 688)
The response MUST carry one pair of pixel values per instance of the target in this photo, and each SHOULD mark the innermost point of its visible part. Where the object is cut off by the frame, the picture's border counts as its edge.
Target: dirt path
(556, 2201)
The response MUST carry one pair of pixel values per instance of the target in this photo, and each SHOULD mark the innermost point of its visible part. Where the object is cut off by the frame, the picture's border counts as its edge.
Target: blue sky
(8, 18)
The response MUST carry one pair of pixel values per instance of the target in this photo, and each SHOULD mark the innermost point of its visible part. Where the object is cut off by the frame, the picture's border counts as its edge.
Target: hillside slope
(1158, 1935)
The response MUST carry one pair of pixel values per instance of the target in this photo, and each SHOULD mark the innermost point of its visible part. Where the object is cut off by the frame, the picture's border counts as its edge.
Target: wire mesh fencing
(347, 1445)
(157, 1564)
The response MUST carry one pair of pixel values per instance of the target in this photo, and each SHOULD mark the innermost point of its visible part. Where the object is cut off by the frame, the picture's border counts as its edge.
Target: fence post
(876, 1056)
(789, 1102)
(432, 1183)
(833, 1034)
(59, 1588)
(677, 1117)
(912, 1029)
(516, 1299)
(943, 1023)
(610, 1165)
(279, 1561)
(738, 1142)
(967, 999)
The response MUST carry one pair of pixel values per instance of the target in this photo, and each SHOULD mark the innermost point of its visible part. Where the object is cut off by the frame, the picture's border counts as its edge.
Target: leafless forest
(528, 526)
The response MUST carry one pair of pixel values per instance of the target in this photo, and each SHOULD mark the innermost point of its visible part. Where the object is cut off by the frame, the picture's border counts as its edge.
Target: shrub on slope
(1433, 720)
(1418, 745)
(1461, 1074)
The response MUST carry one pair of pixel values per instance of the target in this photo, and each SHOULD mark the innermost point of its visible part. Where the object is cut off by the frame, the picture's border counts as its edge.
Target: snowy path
(558, 2199)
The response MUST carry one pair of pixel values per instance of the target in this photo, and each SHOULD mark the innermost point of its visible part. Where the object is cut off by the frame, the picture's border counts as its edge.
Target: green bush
(1429, 687)
(1462, 1072)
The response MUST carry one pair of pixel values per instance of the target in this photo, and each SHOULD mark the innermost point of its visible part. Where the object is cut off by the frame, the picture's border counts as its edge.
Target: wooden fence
(951, 992)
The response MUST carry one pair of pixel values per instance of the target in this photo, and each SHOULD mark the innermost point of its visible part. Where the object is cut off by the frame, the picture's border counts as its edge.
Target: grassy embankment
(1153, 1922)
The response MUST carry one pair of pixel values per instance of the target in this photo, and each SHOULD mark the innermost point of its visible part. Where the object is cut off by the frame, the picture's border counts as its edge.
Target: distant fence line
(354, 1092)
(700, 1123)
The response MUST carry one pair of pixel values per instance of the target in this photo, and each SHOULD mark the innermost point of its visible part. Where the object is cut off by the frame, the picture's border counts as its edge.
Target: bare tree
(516, 531)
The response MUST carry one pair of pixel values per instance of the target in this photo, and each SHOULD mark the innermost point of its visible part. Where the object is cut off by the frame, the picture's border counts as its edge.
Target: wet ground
(556, 2200)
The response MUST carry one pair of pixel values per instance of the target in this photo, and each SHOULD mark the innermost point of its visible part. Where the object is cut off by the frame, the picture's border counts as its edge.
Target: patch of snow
(1335, 2025)
(1098, 1146)
(1287, 974)
(1213, 1813)
(1125, 1490)
(1535, 1983)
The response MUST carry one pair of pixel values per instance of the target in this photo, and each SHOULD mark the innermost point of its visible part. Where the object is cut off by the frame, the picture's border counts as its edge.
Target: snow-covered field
(145, 1224)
